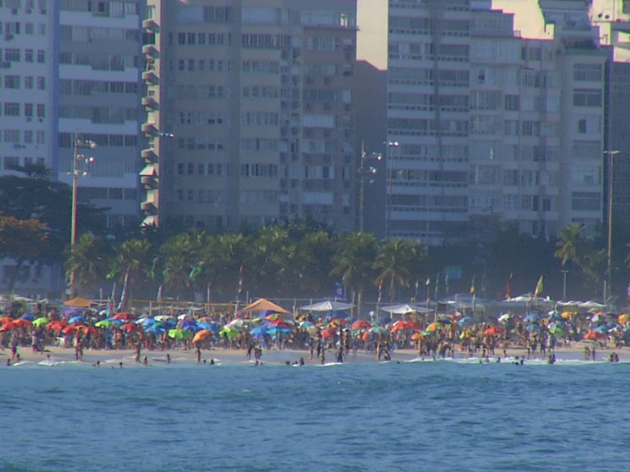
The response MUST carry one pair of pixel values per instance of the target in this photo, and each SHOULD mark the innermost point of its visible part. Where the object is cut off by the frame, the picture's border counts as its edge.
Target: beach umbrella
(399, 326)
(57, 325)
(211, 326)
(532, 317)
(104, 324)
(43, 321)
(623, 319)
(556, 329)
(417, 336)
(275, 330)
(327, 306)
(361, 324)
(328, 333)
(21, 323)
(379, 330)
(186, 316)
(555, 316)
(602, 329)
(275, 317)
(201, 335)
(86, 330)
(129, 327)
(598, 317)
(179, 333)
(531, 327)
(306, 325)
(8, 326)
(493, 331)
(505, 317)
(163, 318)
(466, 321)
(434, 327)
(228, 332)
(147, 321)
(5, 319)
(123, 316)
(261, 305)
(593, 336)
(27, 316)
(156, 329)
(237, 324)
(77, 319)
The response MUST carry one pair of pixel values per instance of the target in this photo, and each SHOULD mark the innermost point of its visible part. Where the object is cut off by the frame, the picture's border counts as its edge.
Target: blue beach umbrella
(28, 316)
(77, 318)
(156, 329)
(211, 326)
(466, 321)
(532, 317)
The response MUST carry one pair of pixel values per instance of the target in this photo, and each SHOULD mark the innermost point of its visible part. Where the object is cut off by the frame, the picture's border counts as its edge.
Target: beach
(54, 354)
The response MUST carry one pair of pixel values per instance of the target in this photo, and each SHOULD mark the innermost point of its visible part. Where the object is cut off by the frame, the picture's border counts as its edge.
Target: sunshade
(201, 335)
(78, 302)
(264, 305)
(328, 305)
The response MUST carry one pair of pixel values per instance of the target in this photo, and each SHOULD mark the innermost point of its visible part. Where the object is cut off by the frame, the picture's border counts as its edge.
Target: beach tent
(78, 302)
(405, 309)
(264, 305)
(328, 305)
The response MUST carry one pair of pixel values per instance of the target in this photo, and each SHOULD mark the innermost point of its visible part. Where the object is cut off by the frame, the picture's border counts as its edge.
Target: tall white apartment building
(250, 115)
(27, 58)
(99, 100)
(512, 128)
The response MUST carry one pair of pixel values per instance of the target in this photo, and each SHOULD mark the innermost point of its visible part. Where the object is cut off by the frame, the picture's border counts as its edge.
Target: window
(41, 83)
(41, 110)
(586, 201)
(512, 102)
(28, 82)
(586, 175)
(28, 55)
(12, 109)
(28, 109)
(11, 162)
(12, 81)
(12, 55)
(587, 72)
(41, 137)
(587, 98)
(11, 136)
(41, 56)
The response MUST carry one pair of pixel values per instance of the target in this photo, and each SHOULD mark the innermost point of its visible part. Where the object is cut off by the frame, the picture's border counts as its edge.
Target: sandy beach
(273, 356)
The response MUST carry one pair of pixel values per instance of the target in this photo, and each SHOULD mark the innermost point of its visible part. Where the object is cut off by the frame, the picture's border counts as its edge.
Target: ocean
(408, 416)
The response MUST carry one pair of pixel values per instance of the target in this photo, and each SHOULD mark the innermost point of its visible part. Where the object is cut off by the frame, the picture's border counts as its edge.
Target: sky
(372, 21)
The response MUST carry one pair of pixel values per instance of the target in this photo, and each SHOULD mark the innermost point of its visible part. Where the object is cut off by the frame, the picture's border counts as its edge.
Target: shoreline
(277, 357)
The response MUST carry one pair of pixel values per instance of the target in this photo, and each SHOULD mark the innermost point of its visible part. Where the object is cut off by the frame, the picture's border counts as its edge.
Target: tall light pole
(564, 284)
(365, 173)
(608, 283)
(79, 168)
(389, 181)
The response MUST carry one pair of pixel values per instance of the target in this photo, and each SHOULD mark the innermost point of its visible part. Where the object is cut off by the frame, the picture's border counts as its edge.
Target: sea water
(408, 416)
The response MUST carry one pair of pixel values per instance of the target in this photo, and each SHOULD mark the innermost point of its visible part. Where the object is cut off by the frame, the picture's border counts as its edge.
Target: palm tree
(88, 259)
(132, 256)
(571, 245)
(398, 262)
(354, 259)
(178, 260)
(312, 262)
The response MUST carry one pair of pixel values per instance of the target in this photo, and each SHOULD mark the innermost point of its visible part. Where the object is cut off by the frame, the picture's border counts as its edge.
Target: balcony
(149, 156)
(149, 129)
(150, 103)
(150, 78)
(149, 182)
(150, 25)
(151, 51)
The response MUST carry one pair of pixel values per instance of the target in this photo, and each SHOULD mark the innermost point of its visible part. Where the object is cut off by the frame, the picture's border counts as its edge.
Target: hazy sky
(372, 20)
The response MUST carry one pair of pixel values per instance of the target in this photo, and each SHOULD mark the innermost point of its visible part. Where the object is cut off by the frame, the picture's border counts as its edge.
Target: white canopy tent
(328, 305)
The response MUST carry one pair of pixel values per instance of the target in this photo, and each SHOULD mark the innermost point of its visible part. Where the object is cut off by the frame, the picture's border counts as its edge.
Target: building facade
(99, 100)
(484, 123)
(250, 114)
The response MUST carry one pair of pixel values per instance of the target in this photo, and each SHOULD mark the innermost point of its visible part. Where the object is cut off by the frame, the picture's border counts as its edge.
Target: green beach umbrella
(104, 324)
(43, 321)
(556, 330)
(179, 333)
(231, 333)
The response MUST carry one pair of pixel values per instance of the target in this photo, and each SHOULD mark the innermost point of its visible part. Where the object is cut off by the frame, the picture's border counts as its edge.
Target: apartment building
(99, 68)
(512, 128)
(249, 112)
(27, 52)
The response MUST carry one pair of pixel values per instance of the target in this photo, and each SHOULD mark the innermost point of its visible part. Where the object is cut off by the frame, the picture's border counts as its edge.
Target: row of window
(89, 87)
(15, 28)
(259, 170)
(201, 168)
(201, 65)
(100, 61)
(89, 34)
(15, 55)
(201, 144)
(101, 140)
(103, 115)
(111, 9)
(15, 136)
(11, 162)
(112, 193)
(15, 82)
(15, 109)
(200, 118)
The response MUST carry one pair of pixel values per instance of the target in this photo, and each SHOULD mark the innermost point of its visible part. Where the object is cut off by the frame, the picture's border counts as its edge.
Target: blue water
(434, 416)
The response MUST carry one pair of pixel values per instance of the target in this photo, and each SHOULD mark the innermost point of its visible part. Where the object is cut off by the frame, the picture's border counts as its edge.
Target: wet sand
(179, 356)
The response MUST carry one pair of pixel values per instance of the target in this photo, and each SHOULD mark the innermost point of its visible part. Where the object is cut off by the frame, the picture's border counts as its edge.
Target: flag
(195, 271)
(417, 286)
(539, 287)
(112, 273)
(159, 293)
(153, 269)
(240, 280)
(123, 295)
(428, 282)
(437, 286)
(508, 287)
(472, 286)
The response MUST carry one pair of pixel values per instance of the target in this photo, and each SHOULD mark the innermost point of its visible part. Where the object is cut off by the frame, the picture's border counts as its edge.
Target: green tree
(398, 263)
(353, 260)
(88, 260)
(25, 242)
(133, 255)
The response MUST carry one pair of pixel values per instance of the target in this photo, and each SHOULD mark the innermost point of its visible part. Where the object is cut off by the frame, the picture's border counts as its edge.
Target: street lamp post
(608, 282)
(79, 168)
(388, 200)
(365, 173)
(564, 284)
